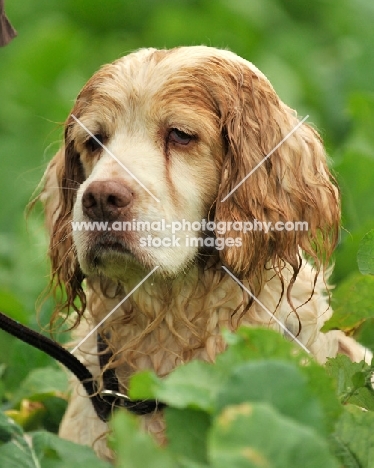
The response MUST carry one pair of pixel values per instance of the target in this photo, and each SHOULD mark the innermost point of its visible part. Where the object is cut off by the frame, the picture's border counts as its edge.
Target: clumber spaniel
(194, 144)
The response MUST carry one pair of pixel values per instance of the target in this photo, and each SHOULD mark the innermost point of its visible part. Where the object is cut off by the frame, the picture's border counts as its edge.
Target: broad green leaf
(253, 344)
(354, 437)
(258, 343)
(55, 408)
(186, 432)
(323, 388)
(365, 254)
(343, 370)
(8, 428)
(353, 302)
(193, 385)
(24, 359)
(18, 454)
(255, 435)
(144, 385)
(16, 449)
(41, 450)
(134, 448)
(54, 452)
(353, 381)
(345, 255)
(365, 334)
(280, 384)
(41, 384)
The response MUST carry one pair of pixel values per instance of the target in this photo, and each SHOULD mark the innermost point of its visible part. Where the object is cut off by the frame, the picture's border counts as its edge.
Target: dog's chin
(123, 258)
(122, 264)
(118, 261)
(112, 260)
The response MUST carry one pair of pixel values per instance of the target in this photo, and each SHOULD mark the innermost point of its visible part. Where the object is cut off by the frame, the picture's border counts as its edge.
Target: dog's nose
(106, 200)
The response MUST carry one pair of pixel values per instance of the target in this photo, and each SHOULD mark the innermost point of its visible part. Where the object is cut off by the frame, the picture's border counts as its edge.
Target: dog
(194, 164)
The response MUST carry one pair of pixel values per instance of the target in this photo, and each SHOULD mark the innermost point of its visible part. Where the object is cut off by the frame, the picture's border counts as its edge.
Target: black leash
(103, 401)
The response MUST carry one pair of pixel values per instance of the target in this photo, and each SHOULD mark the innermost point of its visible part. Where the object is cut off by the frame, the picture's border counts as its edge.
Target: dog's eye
(177, 136)
(94, 143)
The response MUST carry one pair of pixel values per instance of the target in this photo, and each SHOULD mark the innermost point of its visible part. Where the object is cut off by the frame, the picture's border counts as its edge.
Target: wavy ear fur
(61, 181)
(293, 184)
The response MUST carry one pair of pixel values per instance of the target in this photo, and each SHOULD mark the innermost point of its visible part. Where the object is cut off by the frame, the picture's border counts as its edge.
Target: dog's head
(195, 136)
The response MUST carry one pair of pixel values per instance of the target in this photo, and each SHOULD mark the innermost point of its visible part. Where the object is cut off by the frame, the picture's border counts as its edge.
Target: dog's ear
(61, 180)
(289, 179)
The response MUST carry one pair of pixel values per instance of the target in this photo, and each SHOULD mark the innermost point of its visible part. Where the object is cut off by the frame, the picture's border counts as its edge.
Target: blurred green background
(318, 55)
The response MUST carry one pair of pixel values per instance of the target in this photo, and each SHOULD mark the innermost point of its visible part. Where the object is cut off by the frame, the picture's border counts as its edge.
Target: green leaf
(17, 450)
(258, 343)
(193, 385)
(24, 359)
(41, 450)
(354, 437)
(253, 344)
(17, 453)
(144, 385)
(365, 254)
(280, 384)
(365, 334)
(54, 452)
(41, 384)
(8, 428)
(343, 369)
(353, 302)
(257, 436)
(135, 448)
(186, 432)
(353, 381)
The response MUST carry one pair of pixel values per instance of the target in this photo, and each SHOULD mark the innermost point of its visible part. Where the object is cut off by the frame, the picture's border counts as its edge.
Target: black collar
(111, 393)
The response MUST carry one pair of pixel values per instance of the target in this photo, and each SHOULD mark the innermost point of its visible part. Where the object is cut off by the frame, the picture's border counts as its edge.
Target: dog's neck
(166, 322)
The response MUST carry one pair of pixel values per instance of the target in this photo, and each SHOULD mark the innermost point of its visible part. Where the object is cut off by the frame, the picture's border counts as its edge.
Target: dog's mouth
(107, 248)
(112, 245)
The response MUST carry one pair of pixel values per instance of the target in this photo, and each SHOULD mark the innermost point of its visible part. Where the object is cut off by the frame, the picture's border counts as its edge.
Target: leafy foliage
(41, 449)
(353, 438)
(246, 410)
(353, 301)
(251, 411)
